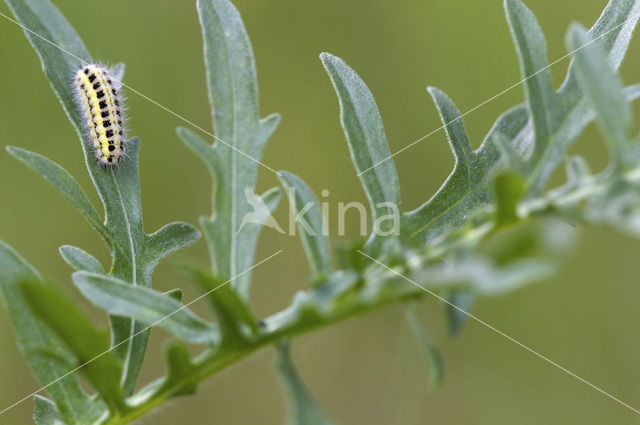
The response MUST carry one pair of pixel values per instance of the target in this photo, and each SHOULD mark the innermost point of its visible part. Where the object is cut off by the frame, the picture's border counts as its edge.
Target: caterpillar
(98, 101)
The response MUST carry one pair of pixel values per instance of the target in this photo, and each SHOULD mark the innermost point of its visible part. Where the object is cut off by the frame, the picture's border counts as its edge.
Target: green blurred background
(366, 370)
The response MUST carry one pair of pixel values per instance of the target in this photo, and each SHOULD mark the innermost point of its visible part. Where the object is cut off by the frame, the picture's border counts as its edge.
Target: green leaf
(176, 294)
(146, 306)
(515, 161)
(430, 352)
(65, 183)
(34, 337)
(118, 188)
(80, 260)
(46, 412)
(449, 208)
(205, 152)
(368, 145)
(90, 345)
(302, 409)
(509, 189)
(468, 186)
(237, 322)
(458, 301)
(314, 237)
(168, 239)
(179, 364)
(456, 135)
(532, 51)
(577, 170)
(241, 137)
(613, 30)
(604, 89)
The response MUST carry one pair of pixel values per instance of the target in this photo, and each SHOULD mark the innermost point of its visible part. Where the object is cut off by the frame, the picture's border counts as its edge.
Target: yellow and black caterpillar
(98, 100)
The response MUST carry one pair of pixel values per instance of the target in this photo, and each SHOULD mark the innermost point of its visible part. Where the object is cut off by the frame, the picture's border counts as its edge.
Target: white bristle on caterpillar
(98, 101)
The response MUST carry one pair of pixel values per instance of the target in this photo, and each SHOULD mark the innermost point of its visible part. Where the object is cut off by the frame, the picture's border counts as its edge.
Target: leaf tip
(577, 37)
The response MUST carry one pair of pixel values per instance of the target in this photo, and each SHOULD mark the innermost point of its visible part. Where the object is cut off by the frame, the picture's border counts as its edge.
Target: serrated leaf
(367, 141)
(302, 409)
(314, 237)
(604, 89)
(146, 306)
(34, 336)
(80, 260)
(430, 352)
(242, 135)
(90, 345)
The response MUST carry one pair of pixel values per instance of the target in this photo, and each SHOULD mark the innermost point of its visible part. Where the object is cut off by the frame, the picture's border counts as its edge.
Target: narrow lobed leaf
(364, 131)
(241, 134)
(456, 134)
(315, 240)
(604, 89)
(90, 345)
(237, 322)
(170, 238)
(179, 365)
(34, 337)
(146, 306)
(80, 260)
(532, 51)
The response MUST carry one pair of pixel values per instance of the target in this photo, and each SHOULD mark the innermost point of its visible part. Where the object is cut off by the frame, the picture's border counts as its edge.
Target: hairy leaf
(46, 412)
(90, 345)
(449, 208)
(118, 188)
(35, 338)
(604, 90)
(314, 236)
(532, 51)
(79, 260)
(241, 137)
(145, 305)
(237, 322)
(179, 364)
(367, 141)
